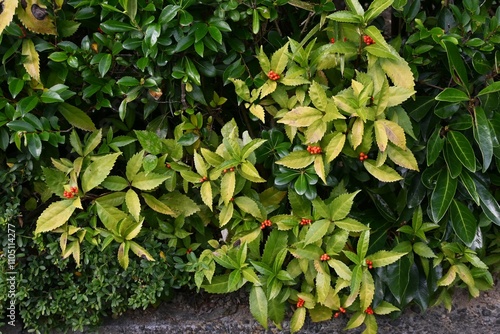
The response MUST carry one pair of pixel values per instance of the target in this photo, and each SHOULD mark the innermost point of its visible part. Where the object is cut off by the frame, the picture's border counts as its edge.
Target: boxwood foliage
(338, 160)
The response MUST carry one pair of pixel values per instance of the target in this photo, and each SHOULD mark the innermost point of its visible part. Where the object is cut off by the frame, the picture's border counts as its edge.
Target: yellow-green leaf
(351, 225)
(385, 308)
(356, 320)
(226, 213)
(148, 181)
(357, 132)
(227, 186)
(334, 146)
(98, 170)
(268, 88)
(279, 59)
(140, 251)
(401, 157)
(258, 111)
(423, 250)
(315, 132)
(249, 172)
(367, 290)
(394, 132)
(319, 167)
(199, 164)
(265, 65)
(158, 205)
(123, 258)
(371, 325)
(383, 173)
(297, 320)
(76, 117)
(133, 204)
(55, 216)
(318, 96)
(316, 231)
(380, 136)
(258, 305)
(341, 269)
(383, 258)
(249, 206)
(297, 159)
(323, 285)
(399, 71)
(206, 194)
(32, 61)
(449, 277)
(45, 25)
(398, 95)
(301, 116)
(7, 13)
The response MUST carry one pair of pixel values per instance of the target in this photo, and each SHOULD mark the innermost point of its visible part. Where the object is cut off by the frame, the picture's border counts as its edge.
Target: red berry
(168, 166)
(345, 39)
(300, 302)
(324, 257)
(342, 310)
(368, 40)
(231, 169)
(336, 315)
(68, 194)
(369, 310)
(332, 40)
(74, 190)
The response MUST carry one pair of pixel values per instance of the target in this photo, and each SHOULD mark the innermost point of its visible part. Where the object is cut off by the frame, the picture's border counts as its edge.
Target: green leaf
(356, 320)
(31, 59)
(148, 181)
(133, 204)
(297, 159)
(206, 194)
(310, 252)
(258, 305)
(98, 170)
(462, 149)
(76, 117)
(34, 145)
(215, 34)
(383, 173)
(421, 249)
(279, 59)
(403, 158)
(56, 215)
(434, 146)
(442, 195)
(398, 70)
(301, 116)
(249, 172)
(318, 96)
(334, 146)
(7, 14)
(398, 275)
(105, 64)
(346, 17)
(385, 308)
(484, 135)
(452, 95)
(367, 290)
(168, 13)
(376, 8)
(488, 202)
(317, 231)
(226, 213)
(297, 320)
(249, 206)
(115, 183)
(150, 142)
(383, 258)
(182, 204)
(470, 186)
(457, 66)
(351, 225)
(140, 251)
(112, 26)
(463, 222)
(227, 186)
(493, 88)
(157, 205)
(341, 269)
(339, 208)
(123, 258)
(250, 147)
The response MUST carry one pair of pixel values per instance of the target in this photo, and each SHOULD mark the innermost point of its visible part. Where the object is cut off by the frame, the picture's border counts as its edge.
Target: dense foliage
(339, 160)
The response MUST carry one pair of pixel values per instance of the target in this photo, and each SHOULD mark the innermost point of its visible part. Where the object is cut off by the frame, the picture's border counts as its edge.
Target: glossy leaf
(462, 149)
(297, 160)
(463, 221)
(442, 195)
(98, 170)
(483, 134)
(301, 116)
(76, 117)
(452, 95)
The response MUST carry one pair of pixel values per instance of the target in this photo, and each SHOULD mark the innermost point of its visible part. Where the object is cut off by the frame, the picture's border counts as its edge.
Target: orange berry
(300, 302)
(168, 166)
(336, 315)
(273, 75)
(74, 190)
(342, 310)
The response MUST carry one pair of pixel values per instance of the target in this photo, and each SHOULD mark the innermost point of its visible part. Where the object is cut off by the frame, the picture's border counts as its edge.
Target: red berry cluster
(300, 302)
(232, 169)
(265, 223)
(314, 149)
(341, 310)
(369, 263)
(369, 310)
(273, 75)
(203, 179)
(332, 40)
(325, 257)
(362, 156)
(71, 193)
(305, 221)
(368, 40)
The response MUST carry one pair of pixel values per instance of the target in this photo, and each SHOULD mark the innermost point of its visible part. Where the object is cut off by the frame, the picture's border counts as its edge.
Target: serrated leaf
(357, 132)
(318, 96)
(367, 290)
(279, 59)
(463, 222)
(301, 116)
(134, 165)
(442, 195)
(180, 203)
(115, 183)
(140, 251)
(334, 146)
(133, 204)
(226, 213)
(380, 135)
(157, 205)
(339, 208)
(98, 170)
(211, 157)
(315, 132)
(297, 160)
(346, 17)
(264, 62)
(383, 173)
(258, 305)
(323, 286)
(258, 111)
(317, 231)
(76, 117)
(199, 164)
(341, 269)
(403, 158)
(297, 320)
(351, 225)
(45, 25)
(56, 215)
(32, 60)
(92, 142)
(421, 249)
(249, 206)
(383, 258)
(449, 277)
(310, 252)
(356, 320)
(399, 71)
(206, 194)
(148, 181)
(7, 14)
(385, 308)
(267, 88)
(227, 187)
(395, 133)
(249, 172)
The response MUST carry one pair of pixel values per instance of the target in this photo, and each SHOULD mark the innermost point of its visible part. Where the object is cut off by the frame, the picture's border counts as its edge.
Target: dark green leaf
(483, 133)
(462, 149)
(463, 221)
(112, 26)
(34, 145)
(442, 195)
(457, 66)
(452, 95)
(434, 146)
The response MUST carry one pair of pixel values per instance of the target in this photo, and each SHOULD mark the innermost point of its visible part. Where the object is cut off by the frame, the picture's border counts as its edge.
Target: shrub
(319, 168)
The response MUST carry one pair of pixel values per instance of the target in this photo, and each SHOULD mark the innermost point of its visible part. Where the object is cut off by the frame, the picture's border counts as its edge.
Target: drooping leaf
(383, 173)
(98, 170)
(249, 206)
(76, 117)
(297, 320)
(32, 60)
(403, 158)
